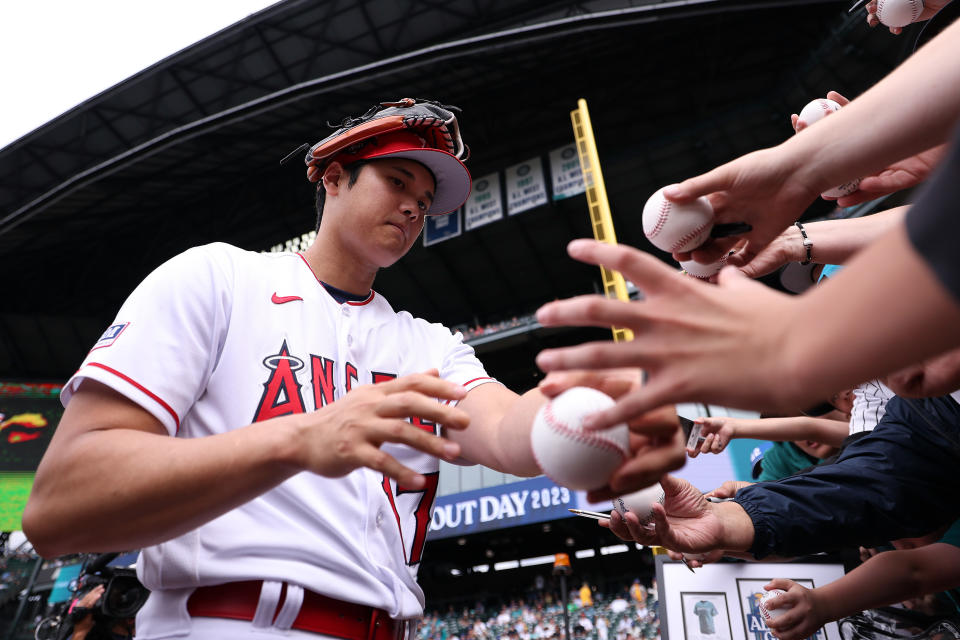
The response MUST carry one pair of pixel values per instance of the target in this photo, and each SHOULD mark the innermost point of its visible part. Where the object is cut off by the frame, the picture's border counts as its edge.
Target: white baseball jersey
(218, 338)
(869, 404)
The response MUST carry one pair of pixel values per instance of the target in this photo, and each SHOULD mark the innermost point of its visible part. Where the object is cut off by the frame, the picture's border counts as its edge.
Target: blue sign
(508, 505)
(65, 583)
(439, 228)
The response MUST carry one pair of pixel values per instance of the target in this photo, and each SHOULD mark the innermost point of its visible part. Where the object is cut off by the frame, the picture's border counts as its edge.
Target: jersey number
(421, 515)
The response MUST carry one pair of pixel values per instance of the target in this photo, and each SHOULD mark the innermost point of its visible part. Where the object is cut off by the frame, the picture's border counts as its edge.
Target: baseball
(676, 227)
(817, 109)
(702, 271)
(770, 614)
(814, 111)
(898, 13)
(640, 502)
(568, 455)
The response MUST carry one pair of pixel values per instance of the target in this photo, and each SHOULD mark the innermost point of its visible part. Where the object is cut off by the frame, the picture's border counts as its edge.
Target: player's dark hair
(353, 173)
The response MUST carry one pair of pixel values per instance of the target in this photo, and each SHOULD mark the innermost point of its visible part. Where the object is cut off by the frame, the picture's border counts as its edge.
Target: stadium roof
(187, 151)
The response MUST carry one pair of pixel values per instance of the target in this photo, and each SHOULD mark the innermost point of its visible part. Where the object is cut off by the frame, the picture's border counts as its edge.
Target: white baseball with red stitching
(770, 614)
(898, 13)
(640, 502)
(568, 455)
(676, 227)
(816, 110)
(702, 271)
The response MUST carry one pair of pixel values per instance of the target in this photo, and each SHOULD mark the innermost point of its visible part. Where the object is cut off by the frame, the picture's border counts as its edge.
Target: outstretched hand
(688, 336)
(685, 522)
(717, 433)
(900, 175)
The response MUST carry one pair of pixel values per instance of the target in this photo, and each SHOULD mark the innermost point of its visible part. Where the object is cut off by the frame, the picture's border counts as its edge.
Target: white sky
(54, 54)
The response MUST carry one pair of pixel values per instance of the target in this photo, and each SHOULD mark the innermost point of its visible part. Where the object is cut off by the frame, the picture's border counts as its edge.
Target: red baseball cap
(450, 174)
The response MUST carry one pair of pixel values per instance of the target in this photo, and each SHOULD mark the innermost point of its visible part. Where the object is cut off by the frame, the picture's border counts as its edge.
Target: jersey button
(349, 340)
(379, 518)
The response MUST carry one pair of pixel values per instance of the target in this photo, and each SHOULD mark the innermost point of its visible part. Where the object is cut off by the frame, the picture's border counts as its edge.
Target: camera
(113, 611)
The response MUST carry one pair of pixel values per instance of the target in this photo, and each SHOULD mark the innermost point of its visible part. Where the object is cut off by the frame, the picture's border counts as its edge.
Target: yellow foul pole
(613, 283)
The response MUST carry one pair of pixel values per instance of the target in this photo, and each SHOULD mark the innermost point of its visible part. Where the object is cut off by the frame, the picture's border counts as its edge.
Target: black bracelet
(807, 244)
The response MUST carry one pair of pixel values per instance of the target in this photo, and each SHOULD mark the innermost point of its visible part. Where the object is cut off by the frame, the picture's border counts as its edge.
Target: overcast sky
(54, 54)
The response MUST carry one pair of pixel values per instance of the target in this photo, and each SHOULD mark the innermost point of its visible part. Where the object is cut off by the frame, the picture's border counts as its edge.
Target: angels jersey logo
(283, 395)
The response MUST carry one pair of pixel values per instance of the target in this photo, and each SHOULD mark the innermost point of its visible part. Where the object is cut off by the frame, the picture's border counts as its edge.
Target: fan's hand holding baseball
(767, 189)
(900, 175)
(347, 434)
(799, 124)
(927, 9)
(687, 335)
(717, 433)
(804, 615)
(651, 455)
(686, 522)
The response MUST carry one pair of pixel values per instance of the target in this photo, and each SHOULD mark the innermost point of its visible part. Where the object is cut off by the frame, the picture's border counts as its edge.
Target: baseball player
(266, 428)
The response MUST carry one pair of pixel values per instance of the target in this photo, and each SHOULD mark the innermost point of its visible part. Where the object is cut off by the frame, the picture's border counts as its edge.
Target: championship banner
(526, 187)
(565, 171)
(439, 228)
(484, 204)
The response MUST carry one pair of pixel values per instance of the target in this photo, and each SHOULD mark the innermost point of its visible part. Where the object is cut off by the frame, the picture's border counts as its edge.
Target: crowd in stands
(471, 332)
(630, 613)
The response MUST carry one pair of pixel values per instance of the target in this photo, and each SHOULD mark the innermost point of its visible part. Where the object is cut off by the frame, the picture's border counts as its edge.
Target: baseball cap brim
(452, 177)
(450, 174)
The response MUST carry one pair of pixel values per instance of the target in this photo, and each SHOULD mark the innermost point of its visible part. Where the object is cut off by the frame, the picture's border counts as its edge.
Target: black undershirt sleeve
(933, 222)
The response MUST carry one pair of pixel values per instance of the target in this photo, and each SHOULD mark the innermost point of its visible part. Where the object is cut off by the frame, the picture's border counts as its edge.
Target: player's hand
(930, 8)
(347, 434)
(805, 615)
(685, 522)
(687, 336)
(717, 433)
(651, 455)
(931, 378)
(901, 175)
(728, 489)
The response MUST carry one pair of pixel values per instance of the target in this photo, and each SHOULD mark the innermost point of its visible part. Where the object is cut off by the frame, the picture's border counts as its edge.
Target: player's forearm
(926, 313)
(912, 109)
(513, 434)
(125, 489)
(836, 241)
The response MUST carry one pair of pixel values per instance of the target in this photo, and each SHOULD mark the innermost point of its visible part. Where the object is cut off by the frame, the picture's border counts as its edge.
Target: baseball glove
(432, 121)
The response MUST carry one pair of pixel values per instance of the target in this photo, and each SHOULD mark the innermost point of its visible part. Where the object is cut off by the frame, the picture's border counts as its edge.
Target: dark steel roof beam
(108, 125)
(280, 66)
